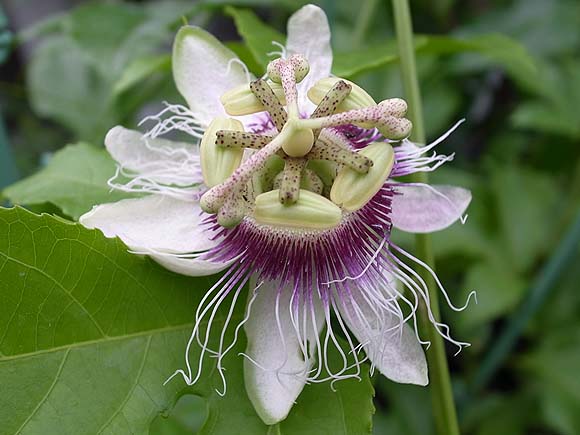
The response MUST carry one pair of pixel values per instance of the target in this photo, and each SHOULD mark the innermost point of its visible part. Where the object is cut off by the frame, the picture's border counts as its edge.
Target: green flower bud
(351, 189)
(311, 211)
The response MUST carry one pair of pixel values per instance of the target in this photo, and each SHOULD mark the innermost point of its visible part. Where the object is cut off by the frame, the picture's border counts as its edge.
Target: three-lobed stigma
(302, 173)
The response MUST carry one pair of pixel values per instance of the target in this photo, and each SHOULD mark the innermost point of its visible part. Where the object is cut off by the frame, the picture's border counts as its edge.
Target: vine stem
(443, 404)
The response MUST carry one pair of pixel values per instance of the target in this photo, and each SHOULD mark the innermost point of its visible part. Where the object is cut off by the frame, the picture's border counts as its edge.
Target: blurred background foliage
(511, 68)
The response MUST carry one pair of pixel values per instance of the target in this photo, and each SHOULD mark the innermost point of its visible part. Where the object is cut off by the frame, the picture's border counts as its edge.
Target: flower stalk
(441, 393)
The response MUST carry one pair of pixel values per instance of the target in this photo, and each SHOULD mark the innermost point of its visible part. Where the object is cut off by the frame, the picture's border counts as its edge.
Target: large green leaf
(75, 179)
(90, 332)
(256, 34)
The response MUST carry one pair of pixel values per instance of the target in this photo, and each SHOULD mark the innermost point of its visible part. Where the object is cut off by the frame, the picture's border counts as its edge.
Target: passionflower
(289, 185)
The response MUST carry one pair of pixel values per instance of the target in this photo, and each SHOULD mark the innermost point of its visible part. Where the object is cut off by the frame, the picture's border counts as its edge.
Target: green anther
(291, 178)
(356, 99)
(270, 101)
(395, 128)
(329, 147)
(217, 162)
(242, 101)
(240, 139)
(352, 190)
(232, 211)
(309, 181)
(212, 200)
(312, 182)
(298, 62)
(325, 170)
(311, 211)
(396, 107)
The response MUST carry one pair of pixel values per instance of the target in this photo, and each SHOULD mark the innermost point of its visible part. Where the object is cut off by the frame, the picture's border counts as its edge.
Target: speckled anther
(298, 63)
(329, 149)
(270, 102)
(232, 211)
(240, 139)
(357, 98)
(291, 178)
(390, 126)
(330, 102)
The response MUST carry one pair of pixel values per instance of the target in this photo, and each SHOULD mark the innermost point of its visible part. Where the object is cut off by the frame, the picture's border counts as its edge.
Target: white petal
(273, 344)
(157, 225)
(309, 35)
(160, 160)
(189, 266)
(392, 348)
(203, 70)
(423, 209)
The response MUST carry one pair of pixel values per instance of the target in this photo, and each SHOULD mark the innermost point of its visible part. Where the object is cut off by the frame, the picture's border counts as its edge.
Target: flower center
(307, 174)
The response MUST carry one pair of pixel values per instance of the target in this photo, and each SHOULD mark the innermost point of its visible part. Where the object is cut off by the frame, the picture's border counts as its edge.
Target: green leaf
(186, 417)
(245, 55)
(74, 179)
(408, 412)
(499, 49)
(500, 415)
(349, 64)
(499, 290)
(102, 29)
(555, 112)
(256, 34)
(90, 332)
(554, 367)
(64, 85)
(140, 69)
(527, 203)
(319, 410)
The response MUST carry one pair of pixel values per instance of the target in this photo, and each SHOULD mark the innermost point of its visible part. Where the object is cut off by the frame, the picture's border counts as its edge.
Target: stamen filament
(366, 114)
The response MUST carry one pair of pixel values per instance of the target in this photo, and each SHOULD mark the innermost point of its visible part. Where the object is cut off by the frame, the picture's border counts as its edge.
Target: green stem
(367, 10)
(440, 383)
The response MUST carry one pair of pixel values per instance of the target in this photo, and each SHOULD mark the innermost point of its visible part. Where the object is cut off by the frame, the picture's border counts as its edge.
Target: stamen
(271, 103)
(292, 175)
(328, 105)
(327, 149)
(240, 139)
(311, 181)
(214, 198)
(390, 126)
